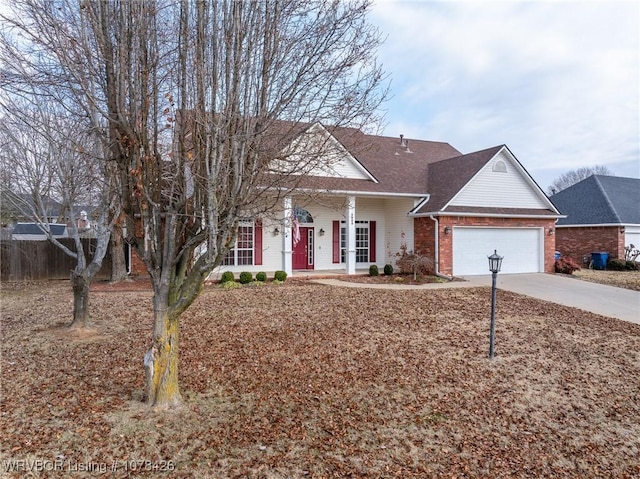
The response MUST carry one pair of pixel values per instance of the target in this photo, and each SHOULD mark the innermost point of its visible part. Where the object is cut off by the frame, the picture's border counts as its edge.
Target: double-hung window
(242, 252)
(362, 242)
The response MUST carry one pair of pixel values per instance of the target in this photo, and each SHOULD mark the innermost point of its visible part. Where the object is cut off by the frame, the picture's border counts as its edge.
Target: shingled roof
(399, 166)
(447, 177)
(34, 229)
(435, 171)
(600, 200)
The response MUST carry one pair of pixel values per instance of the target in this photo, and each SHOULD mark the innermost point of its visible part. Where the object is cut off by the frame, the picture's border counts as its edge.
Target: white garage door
(632, 236)
(521, 248)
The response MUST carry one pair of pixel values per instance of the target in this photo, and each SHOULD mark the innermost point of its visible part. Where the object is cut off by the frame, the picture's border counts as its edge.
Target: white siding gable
(317, 153)
(501, 183)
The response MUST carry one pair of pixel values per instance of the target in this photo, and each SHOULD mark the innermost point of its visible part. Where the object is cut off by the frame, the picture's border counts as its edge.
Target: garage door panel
(520, 247)
(632, 236)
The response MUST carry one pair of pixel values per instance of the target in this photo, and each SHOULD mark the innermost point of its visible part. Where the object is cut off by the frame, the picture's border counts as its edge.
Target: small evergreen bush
(617, 264)
(280, 276)
(246, 277)
(622, 265)
(226, 277)
(261, 276)
(566, 265)
(388, 269)
(373, 270)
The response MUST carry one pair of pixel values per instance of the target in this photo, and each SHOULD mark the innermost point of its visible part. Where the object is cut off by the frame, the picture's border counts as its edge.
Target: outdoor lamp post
(495, 261)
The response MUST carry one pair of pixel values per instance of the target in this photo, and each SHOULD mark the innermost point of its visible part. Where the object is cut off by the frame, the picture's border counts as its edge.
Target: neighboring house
(602, 215)
(18, 207)
(381, 193)
(33, 232)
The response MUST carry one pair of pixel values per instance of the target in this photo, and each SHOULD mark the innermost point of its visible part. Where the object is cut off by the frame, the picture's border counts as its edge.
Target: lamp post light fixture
(495, 261)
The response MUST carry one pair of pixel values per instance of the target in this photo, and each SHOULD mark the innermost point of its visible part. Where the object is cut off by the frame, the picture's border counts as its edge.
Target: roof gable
(324, 154)
(482, 182)
(501, 182)
(599, 200)
(394, 167)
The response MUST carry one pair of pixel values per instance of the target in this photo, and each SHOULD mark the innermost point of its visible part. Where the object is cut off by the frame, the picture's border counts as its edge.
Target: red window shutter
(372, 241)
(336, 241)
(257, 243)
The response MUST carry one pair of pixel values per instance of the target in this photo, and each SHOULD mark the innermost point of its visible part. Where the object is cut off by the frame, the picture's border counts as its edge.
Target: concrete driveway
(597, 298)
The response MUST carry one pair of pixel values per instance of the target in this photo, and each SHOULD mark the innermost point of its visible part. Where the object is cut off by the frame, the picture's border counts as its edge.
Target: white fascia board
(597, 225)
(419, 205)
(364, 193)
(342, 148)
(486, 215)
(527, 177)
(387, 194)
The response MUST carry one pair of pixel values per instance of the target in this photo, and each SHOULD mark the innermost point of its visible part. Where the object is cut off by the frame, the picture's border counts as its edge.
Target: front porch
(324, 237)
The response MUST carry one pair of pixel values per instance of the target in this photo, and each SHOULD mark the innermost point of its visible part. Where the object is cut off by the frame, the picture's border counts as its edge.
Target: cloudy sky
(556, 81)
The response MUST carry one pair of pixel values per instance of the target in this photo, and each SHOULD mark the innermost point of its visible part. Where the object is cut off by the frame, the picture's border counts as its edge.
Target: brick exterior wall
(579, 243)
(424, 231)
(137, 265)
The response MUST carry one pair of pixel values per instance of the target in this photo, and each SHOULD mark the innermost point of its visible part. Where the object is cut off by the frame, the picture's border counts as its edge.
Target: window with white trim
(242, 252)
(362, 242)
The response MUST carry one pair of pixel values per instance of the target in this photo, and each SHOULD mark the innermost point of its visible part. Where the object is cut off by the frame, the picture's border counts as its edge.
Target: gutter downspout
(437, 250)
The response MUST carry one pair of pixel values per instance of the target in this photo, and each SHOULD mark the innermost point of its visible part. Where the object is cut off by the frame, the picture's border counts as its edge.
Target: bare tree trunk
(118, 260)
(80, 284)
(161, 361)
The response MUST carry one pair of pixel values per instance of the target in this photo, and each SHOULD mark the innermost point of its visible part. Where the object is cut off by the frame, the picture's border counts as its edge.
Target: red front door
(303, 250)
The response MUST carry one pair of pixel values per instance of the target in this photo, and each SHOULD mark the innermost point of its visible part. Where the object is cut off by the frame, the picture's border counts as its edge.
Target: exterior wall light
(551, 231)
(276, 231)
(447, 230)
(321, 232)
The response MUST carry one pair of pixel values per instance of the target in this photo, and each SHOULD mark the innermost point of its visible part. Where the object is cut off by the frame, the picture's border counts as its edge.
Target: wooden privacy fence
(39, 260)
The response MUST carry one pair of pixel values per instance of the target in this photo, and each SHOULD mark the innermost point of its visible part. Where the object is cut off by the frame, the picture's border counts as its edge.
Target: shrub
(226, 277)
(280, 276)
(617, 264)
(388, 269)
(633, 266)
(261, 276)
(246, 277)
(566, 265)
(415, 263)
(231, 285)
(623, 265)
(373, 270)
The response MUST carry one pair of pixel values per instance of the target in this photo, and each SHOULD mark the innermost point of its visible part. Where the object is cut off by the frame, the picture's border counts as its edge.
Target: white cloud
(556, 81)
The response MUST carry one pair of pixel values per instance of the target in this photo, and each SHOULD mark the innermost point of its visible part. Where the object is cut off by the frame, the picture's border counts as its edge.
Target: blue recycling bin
(599, 260)
(557, 255)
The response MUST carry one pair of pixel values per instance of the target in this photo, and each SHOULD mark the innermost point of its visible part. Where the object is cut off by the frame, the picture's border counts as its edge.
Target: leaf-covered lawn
(619, 279)
(303, 380)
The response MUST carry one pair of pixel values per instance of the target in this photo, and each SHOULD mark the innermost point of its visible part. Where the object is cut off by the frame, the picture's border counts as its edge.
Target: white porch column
(350, 214)
(285, 228)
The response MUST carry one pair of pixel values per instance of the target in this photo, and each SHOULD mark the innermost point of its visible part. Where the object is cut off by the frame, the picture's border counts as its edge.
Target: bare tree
(210, 111)
(572, 177)
(50, 158)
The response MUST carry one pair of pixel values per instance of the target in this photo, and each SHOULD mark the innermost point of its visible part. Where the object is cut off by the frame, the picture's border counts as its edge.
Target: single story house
(382, 194)
(602, 215)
